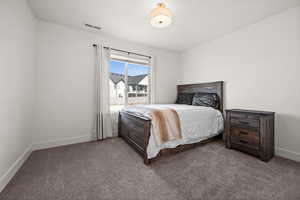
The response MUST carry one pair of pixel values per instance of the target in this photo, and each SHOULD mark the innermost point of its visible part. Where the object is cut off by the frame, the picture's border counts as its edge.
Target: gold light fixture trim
(161, 16)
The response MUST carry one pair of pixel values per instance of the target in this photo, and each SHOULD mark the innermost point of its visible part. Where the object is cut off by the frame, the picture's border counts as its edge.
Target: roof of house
(116, 78)
(132, 80)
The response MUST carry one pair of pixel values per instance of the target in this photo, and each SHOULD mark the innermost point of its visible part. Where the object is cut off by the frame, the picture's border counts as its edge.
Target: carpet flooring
(112, 170)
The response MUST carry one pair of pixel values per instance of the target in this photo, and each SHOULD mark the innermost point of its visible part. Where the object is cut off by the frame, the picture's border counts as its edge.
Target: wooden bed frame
(135, 130)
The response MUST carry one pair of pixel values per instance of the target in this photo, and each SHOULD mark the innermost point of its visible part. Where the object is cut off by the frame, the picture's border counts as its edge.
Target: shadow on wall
(286, 129)
(224, 96)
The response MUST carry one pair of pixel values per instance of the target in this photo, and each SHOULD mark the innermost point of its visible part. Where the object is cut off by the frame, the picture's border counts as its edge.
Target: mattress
(197, 123)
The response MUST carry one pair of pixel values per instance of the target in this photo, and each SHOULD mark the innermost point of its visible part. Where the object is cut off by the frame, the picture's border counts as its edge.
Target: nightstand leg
(228, 146)
(264, 158)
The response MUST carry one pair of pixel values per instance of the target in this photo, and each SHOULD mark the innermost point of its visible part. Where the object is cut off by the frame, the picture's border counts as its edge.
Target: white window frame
(146, 62)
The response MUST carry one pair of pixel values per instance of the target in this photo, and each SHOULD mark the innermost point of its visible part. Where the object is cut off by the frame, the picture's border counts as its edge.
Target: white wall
(260, 65)
(17, 72)
(66, 80)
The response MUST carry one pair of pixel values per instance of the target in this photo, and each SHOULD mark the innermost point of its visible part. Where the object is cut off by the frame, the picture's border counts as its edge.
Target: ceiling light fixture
(161, 16)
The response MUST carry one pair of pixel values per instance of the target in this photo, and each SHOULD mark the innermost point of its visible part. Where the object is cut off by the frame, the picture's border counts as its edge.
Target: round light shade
(161, 16)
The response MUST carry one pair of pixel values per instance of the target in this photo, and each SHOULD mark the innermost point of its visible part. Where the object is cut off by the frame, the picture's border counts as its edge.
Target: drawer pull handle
(243, 133)
(242, 122)
(243, 141)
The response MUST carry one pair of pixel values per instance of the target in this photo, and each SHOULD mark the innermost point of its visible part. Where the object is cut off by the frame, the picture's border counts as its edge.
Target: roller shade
(130, 58)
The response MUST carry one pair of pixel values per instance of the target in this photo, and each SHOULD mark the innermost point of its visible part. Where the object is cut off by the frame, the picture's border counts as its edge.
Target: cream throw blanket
(165, 123)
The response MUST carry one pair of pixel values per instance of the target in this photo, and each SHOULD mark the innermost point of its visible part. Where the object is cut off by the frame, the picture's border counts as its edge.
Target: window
(129, 82)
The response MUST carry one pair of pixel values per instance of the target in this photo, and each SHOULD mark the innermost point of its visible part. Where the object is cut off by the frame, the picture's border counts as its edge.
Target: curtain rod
(95, 45)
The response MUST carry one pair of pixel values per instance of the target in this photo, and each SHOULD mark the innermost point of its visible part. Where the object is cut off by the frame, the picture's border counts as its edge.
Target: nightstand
(250, 131)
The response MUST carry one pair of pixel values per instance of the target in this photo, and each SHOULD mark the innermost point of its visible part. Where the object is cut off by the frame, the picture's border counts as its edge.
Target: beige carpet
(112, 170)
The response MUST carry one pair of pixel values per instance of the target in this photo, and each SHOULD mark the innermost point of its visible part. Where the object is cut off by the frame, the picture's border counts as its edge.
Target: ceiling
(194, 21)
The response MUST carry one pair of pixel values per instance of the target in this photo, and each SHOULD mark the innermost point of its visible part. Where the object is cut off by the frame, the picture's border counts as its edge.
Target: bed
(198, 124)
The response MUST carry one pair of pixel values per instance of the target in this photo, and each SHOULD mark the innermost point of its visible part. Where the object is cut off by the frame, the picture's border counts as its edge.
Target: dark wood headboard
(212, 87)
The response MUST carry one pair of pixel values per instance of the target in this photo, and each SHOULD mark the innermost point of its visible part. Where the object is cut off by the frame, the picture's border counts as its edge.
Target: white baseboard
(62, 142)
(287, 154)
(4, 180)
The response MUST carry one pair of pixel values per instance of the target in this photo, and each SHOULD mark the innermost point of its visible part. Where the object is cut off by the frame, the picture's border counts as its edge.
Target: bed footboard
(135, 130)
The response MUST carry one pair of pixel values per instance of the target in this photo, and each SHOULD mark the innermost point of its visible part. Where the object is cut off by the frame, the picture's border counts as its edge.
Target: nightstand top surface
(259, 112)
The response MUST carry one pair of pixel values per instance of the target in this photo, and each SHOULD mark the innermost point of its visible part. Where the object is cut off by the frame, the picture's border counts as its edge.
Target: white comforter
(197, 123)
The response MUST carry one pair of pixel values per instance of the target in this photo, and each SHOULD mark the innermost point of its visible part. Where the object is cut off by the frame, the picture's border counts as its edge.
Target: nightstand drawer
(241, 115)
(245, 148)
(245, 122)
(244, 136)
